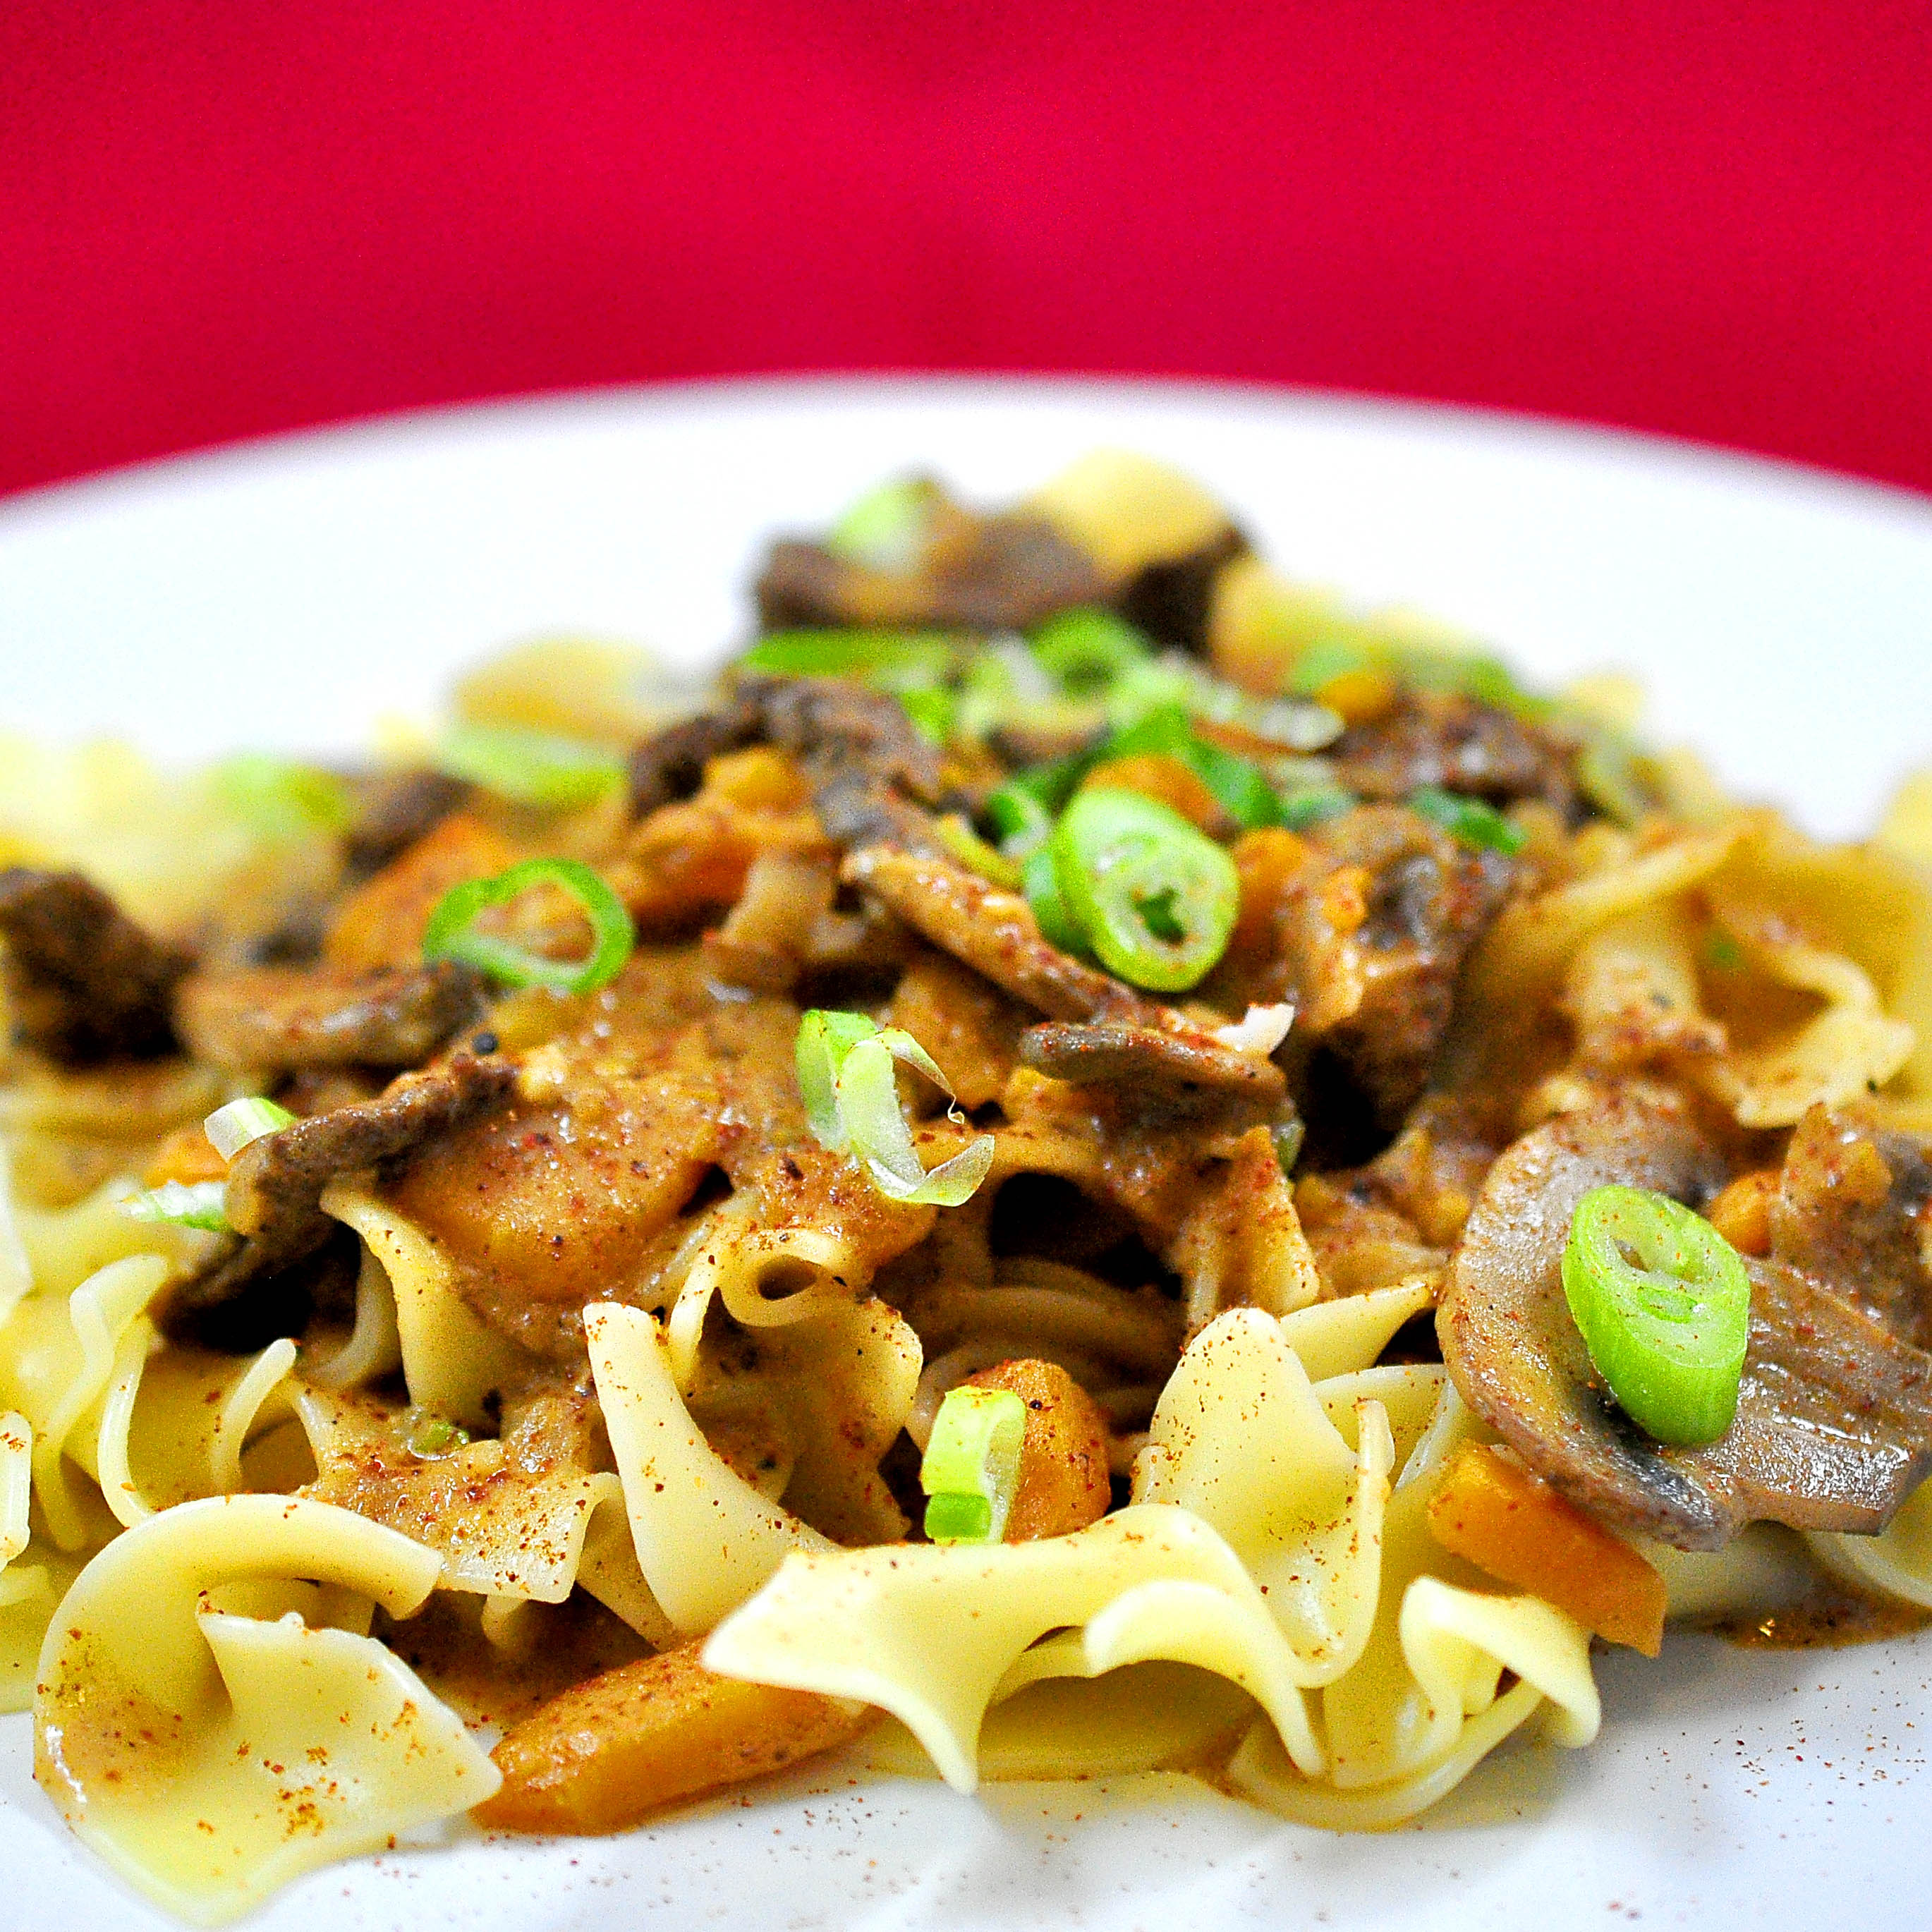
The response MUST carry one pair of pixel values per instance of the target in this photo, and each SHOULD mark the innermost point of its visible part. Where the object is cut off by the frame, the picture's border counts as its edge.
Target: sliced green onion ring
(452, 933)
(845, 1064)
(1020, 816)
(963, 843)
(971, 1469)
(1039, 879)
(1155, 898)
(203, 1205)
(1309, 806)
(1239, 787)
(281, 799)
(533, 768)
(231, 1128)
(933, 709)
(1087, 649)
(887, 528)
(1326, 659)
(1663, 1303)
(896, 660)
(1468, 821)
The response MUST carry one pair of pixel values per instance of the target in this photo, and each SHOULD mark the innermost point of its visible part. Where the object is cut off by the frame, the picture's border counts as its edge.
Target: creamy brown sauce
(570, 1641)
(1828, 1617)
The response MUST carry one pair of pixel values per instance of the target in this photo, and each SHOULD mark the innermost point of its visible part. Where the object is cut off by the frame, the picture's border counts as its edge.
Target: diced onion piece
(231, 1128)
(205, 1205)
(1260, 1029)
(971, 1469)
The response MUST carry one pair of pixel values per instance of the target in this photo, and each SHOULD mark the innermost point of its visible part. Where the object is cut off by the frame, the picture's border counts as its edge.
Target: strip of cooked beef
(1370, 940)
(1459, 744)
(1852, 1208)
(1004, 573)
(1171, 602)
(86, 983)
(275, 1183)
(992, 932)
(392, 812)
(1125, 1037)
(1834, 1423)
(1158, 1056)
(281, 1019)
(873, 775)
(669, 765)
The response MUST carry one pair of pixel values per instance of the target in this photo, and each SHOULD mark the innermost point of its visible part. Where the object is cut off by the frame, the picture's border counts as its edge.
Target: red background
(217, 220)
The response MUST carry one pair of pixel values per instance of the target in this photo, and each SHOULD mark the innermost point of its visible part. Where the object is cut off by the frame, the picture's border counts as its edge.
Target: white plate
(286, 593)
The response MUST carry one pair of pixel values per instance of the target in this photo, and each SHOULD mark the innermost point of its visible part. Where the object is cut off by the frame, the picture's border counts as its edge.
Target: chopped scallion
(1325, 659)
(204, 1205)
(453, 933)
(231, 1128)
(895, 660)
(1019, 818)
(432, 1435)
(279, 799)
(1663, 1304)
(1240, 787)
(1154, 897)
(932, 709)
(1087, 650)
(1468, 821)
(533, 768)
(1039, 880)
(886, 529)
(844, 1065)
(1309, 806)
(971, 1471)
(972, 851)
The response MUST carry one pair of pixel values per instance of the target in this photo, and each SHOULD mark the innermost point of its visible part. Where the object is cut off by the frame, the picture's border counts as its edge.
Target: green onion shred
(845, 1065)
(971, 1469)
(533, 768)
(1468, 821)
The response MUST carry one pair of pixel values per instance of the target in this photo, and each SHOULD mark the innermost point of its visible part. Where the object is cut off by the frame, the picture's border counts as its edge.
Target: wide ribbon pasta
(207, 1725)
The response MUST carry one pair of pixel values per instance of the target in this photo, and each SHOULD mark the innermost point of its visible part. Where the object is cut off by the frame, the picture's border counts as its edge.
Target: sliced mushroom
(1834, 1424)
(86, 982)
(282, 1019)
(275, 1183)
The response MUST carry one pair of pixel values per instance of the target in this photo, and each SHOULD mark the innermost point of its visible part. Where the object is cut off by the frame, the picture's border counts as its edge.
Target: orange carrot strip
(1491, 1511)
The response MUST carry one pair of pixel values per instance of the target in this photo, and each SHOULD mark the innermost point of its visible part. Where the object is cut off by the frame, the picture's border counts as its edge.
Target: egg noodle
(546, 1365)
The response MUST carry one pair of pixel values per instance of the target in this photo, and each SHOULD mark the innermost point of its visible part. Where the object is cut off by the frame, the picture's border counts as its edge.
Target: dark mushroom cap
(1834, 1424)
